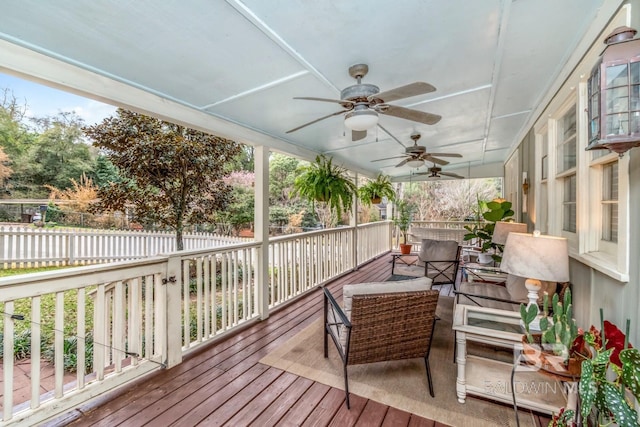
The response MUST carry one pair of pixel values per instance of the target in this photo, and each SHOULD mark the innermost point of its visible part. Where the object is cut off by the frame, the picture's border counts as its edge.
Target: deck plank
(247, 414)
(282, 403)
(224, 384)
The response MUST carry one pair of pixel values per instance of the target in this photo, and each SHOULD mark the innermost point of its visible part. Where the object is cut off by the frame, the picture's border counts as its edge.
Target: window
(566, 168)
(610, 202)
(542, 167)
(569, 204)
(567, 141)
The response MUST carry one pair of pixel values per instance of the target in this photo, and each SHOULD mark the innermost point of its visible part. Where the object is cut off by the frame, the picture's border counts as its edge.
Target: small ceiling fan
(363, 102)
(436, 172)
(416, 155)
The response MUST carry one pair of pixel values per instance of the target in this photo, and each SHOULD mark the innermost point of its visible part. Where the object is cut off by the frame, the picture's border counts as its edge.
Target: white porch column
(261, 232)
(390, 208)
(354, 225)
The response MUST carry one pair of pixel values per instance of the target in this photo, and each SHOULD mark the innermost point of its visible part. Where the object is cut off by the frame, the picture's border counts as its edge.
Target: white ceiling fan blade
(402, 163)
(315, 121)
(336, 101)
(409, 114)
(452, 175)
(412, 89)
(446, 154)
(430, 158)
(388, 158)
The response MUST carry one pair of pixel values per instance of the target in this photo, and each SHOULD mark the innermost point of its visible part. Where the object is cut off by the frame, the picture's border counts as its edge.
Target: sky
(45, 101)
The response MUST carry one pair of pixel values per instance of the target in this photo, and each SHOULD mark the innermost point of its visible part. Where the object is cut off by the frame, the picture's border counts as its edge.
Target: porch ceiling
(233, 67)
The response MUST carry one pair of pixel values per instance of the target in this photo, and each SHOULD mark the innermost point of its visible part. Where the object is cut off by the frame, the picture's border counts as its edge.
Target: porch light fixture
(360, 120)
(614, 94)
(537, 258)
(415, 163)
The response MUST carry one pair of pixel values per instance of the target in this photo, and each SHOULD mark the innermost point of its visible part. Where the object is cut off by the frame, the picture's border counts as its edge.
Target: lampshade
(415, 163)
(537, 257)
(503, 228)
(361, 119)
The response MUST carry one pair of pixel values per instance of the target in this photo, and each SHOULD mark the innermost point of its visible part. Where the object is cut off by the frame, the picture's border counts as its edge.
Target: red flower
(615, 340)
(597, 337)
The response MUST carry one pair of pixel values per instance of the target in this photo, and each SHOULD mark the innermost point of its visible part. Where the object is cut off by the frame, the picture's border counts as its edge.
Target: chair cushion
(515, 287)
(489, 290)
(437, 250)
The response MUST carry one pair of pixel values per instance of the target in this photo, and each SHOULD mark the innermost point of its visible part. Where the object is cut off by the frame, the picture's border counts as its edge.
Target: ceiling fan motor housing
(359, 93)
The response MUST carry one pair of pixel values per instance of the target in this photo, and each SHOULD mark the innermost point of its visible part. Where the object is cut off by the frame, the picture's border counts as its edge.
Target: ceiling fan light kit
(415, 155)
(415, 163)
(361, 120)
(362, 103)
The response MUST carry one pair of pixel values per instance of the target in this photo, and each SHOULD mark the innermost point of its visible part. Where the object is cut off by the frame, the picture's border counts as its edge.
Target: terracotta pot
(538, 355)
(405, 249)
(376, 200)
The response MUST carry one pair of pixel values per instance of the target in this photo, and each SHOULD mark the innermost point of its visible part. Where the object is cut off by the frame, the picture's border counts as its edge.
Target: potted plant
(610, 382)
(482, 232)
(373, 191)
(558, 347)
(403, 219)
(322, 181)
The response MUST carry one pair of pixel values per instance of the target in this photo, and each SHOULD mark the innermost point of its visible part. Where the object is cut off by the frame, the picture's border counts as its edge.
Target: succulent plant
(561, 331)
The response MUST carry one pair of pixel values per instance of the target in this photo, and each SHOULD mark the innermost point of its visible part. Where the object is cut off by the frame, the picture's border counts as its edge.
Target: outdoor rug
(411, 271)
(400, 384)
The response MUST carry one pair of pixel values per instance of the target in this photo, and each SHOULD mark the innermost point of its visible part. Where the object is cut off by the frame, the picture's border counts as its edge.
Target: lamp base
(533, 286)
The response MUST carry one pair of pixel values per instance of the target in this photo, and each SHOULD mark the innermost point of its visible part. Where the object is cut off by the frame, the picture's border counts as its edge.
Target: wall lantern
(614, 94)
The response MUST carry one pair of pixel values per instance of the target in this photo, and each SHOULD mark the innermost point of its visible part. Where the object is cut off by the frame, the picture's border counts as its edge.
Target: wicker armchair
(381, 327)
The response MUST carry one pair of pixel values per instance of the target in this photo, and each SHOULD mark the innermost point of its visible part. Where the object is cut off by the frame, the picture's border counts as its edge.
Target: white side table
(490, 378)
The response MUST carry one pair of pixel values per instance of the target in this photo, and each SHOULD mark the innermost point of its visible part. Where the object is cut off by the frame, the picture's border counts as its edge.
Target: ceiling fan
(416, 155)
(436, 172)
(363, 102)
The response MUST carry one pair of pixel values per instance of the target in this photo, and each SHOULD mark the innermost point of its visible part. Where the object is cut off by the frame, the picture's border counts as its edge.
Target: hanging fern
(322, 181)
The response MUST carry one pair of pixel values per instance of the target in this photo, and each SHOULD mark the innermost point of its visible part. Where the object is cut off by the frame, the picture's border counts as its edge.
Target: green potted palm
(374, 191)
(322, 181)
(403, 219)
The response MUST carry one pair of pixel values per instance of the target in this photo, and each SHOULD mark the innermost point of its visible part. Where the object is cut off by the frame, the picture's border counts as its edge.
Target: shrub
(70, 350)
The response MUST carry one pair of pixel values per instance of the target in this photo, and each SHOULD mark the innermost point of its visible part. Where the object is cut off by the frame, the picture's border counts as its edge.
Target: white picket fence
(22, 247)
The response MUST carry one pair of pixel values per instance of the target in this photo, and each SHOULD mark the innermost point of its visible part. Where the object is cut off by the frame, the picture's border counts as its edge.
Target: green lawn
(16, 271)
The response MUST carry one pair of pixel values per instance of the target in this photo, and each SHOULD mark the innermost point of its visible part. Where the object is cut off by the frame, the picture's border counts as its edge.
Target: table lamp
(503, 228)
(536, 258)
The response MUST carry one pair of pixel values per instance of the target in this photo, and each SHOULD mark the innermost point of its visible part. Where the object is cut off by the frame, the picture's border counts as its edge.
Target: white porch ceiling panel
(243, 61)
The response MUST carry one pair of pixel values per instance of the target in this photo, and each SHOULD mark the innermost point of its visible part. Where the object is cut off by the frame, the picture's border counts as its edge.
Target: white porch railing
(142, 315)
(39, 247)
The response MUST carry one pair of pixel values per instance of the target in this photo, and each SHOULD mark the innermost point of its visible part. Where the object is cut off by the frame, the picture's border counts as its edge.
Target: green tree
(240, 212)
(172, 175)
(15, 139)
(282, 172)
(59, 155)
(105, 172)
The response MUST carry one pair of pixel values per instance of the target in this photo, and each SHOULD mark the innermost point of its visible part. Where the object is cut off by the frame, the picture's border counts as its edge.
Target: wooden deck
(225, 384)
